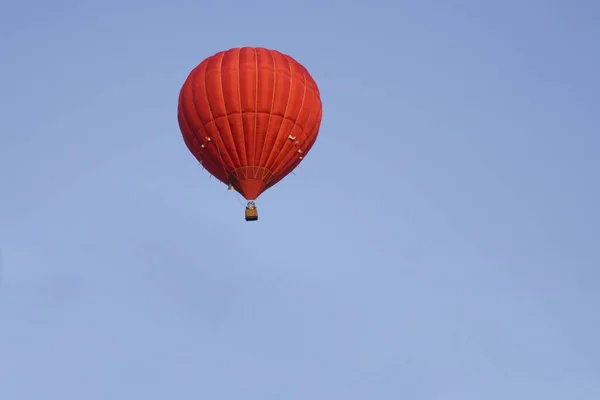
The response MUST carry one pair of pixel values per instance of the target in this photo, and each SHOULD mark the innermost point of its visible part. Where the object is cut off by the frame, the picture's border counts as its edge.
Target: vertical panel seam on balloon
(181, 114)
(262, 151)
(212, 119)
(286, 154)
(193, 85)
(290, 165)
(239, 85)
(284, 114)
(237, 156)
(256, 86)
(287, 157)
(308, 136)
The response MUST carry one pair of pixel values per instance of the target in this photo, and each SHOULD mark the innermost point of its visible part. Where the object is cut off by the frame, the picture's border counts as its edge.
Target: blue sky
(440, 241)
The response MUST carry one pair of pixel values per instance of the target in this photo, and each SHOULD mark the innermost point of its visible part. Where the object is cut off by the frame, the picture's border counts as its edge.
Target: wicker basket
(251, 214)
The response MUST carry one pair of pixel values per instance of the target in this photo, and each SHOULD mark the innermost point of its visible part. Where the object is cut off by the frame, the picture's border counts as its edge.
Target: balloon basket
(251, 212)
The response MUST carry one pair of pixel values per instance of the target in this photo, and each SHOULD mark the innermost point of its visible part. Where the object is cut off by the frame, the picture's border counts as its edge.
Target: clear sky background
(440, 241)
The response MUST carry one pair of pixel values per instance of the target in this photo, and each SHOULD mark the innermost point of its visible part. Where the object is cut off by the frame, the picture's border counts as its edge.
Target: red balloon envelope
(249, 116)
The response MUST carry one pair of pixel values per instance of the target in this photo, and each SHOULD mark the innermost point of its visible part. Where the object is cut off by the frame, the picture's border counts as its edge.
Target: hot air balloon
(249, 116)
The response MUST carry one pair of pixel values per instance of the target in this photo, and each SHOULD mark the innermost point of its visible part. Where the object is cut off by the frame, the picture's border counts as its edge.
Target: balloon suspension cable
(238, 196)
